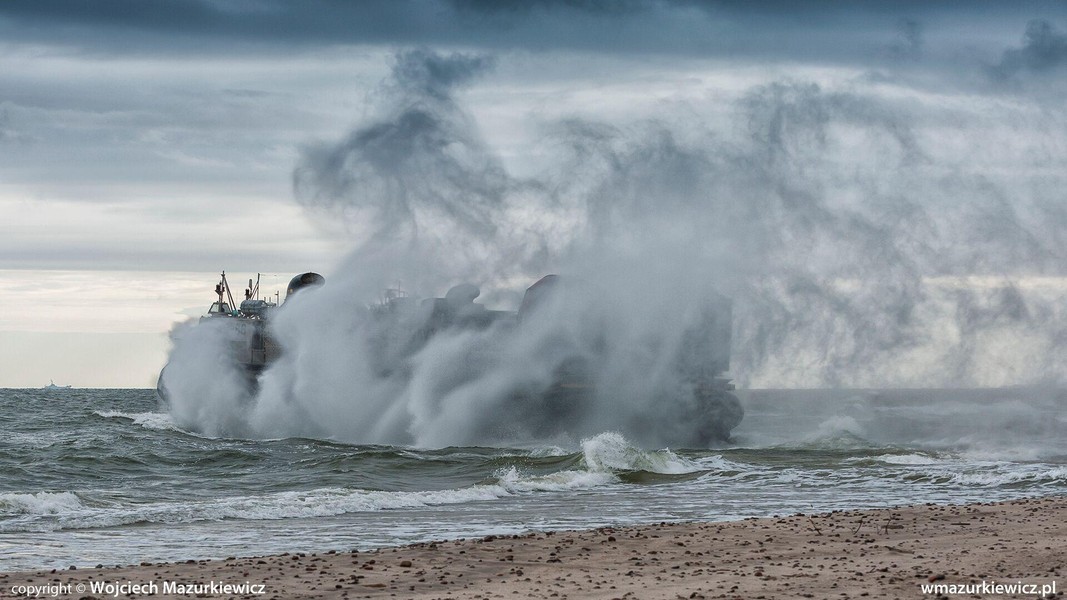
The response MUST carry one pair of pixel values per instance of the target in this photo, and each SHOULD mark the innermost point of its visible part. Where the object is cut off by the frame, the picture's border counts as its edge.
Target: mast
(226, 286)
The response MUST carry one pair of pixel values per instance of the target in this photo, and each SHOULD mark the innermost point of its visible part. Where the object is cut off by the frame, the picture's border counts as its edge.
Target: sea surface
(92, 477)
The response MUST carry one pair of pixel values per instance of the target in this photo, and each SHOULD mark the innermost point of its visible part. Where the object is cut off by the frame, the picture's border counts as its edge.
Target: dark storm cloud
(1044, 50)
(95, 24)
(520, 6)
(849, 32)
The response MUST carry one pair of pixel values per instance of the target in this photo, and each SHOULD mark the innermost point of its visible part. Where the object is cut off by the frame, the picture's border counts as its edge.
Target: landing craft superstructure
(697, 410)
(245, 325)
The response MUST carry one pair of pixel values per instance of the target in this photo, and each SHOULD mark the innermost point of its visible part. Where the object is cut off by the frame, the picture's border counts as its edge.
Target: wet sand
(885, 553)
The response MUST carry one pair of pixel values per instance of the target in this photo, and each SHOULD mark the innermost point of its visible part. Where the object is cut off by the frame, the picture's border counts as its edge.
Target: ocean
(104, 476)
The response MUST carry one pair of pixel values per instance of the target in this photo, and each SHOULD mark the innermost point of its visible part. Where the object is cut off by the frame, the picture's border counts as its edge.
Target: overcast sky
(145, 145)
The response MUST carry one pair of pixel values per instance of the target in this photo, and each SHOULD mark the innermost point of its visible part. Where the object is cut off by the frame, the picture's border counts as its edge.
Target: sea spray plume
(812, 236)
(826, 219)
(325, 384)
(1044, 49)
(425, 74)
(206, 389)
(636, 185)
(848, 236)
(858, 217)
(737, 215)
(411, 167)
(419, 180)
(339, 379)
(430, 205)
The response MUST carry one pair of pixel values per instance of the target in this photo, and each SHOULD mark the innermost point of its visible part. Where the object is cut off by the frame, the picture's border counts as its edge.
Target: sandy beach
(888, 553)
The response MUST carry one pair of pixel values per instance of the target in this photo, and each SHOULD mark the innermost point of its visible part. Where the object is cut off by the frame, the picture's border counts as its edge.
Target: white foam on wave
(996, 478)
(33, 439)
(604, 456)
(717, 464)
(148, 420)
(66, 511)
(515, 481)
(41, 503)
(982, 451)
(909, 459)
(335, 501)
(548, 451)
(610, 451)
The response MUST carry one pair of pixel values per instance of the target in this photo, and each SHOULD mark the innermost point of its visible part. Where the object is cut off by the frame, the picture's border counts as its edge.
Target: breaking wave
(603, 459)
(41, 503)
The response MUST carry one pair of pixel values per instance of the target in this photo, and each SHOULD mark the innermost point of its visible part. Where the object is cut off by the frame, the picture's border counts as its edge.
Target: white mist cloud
(831, 212)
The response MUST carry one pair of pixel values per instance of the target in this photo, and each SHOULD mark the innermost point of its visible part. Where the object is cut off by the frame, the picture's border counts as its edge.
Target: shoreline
(889, 552)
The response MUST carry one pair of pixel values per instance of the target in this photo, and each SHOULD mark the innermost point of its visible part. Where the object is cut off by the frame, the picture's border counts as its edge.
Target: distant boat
(52, 386)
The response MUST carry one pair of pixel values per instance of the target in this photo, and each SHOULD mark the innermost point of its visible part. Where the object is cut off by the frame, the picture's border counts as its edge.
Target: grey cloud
(910, 41)
(9, 130)
(5, 133)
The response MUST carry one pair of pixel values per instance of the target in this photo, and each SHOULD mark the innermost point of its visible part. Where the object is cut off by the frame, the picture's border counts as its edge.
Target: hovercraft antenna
(224, 288)
(254, 293)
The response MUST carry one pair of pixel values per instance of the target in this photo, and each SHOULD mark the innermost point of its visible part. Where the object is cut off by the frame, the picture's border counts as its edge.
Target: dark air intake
(302, 281)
